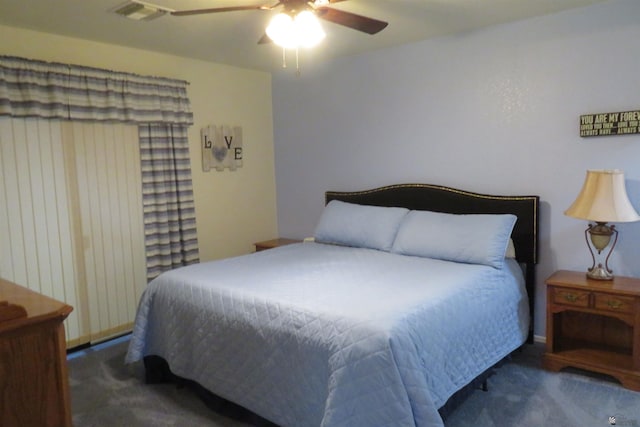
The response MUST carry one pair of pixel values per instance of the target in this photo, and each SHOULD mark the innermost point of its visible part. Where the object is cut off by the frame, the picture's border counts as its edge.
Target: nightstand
(594, 325)
(274, 243)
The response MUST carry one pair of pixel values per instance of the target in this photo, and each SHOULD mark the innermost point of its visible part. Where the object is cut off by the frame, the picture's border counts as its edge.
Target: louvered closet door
(71, 219)
(36, 237)
(110, 204)
(107, 169)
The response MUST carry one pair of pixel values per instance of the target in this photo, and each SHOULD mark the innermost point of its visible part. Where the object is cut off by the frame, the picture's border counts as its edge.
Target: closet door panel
(110, 203)
(36, 250)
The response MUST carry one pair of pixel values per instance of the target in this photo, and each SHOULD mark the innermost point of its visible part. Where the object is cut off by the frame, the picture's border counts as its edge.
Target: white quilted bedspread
(320, 335)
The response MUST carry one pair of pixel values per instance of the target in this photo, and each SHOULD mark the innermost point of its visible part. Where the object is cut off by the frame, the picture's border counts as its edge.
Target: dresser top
(38, 307)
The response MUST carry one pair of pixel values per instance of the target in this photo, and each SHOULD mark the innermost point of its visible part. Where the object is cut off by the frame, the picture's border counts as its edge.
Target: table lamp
(603, 199)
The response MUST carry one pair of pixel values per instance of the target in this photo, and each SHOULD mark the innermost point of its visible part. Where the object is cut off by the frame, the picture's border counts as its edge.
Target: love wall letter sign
(221, 147)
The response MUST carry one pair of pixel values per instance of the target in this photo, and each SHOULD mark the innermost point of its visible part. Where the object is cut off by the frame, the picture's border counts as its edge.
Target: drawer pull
(614, 304)
(571, 297)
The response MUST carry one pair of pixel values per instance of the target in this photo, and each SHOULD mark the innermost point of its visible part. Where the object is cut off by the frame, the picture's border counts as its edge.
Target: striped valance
(30, 88)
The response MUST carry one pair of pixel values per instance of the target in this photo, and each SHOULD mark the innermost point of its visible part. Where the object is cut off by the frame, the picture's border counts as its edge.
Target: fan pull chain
(284, 60)
(297, 64)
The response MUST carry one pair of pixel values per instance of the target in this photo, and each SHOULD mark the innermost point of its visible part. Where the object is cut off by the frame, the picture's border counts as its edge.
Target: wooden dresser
(34, 385)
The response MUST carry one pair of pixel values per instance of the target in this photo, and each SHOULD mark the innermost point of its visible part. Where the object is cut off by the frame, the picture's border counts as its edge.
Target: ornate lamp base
(600, 234)
(599, 273)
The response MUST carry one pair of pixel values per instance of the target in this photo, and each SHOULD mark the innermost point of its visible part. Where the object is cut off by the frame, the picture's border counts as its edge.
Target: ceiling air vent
(140, 11)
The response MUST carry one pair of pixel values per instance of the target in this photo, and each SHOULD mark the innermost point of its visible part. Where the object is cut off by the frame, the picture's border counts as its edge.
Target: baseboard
(540, 339)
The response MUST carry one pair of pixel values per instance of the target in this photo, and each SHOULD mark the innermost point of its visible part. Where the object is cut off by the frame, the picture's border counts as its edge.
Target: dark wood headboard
(451, 200)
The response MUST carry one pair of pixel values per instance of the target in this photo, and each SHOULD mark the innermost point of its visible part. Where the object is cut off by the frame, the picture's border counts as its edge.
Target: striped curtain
(169, 212)
(161, 109)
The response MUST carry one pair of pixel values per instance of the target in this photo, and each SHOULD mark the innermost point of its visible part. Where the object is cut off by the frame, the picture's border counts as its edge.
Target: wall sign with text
(221, 147)
(604, 124)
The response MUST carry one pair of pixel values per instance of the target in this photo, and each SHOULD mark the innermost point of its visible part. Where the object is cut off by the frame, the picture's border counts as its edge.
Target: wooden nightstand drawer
(616, 303)
(571, 297)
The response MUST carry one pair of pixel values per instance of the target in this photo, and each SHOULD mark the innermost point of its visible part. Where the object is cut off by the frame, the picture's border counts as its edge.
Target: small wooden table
(274, 243)
(34, 386)
(594, 325)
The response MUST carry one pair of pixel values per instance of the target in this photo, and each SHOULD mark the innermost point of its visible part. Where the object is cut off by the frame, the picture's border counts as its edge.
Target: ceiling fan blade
(320, 3)
(265, 39)
(219, 9)
(351, 20)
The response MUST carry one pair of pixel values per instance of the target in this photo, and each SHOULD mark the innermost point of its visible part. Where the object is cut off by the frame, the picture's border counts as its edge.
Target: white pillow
(472, 239)
(360, 226)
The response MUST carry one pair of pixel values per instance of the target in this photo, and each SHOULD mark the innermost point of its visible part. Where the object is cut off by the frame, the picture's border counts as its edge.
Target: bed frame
(416, 197)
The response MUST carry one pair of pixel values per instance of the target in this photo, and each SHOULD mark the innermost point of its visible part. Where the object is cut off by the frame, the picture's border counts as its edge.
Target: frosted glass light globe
(281, 31)
(308, 30)
(290, 33)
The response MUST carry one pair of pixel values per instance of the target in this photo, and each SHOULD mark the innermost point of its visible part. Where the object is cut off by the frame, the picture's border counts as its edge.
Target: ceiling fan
(294, 7)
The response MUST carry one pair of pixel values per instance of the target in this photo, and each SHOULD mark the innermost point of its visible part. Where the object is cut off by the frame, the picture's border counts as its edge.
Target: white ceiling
(231, 37)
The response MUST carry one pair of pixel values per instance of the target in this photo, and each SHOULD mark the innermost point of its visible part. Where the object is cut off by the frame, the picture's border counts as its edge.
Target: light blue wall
(492, 111)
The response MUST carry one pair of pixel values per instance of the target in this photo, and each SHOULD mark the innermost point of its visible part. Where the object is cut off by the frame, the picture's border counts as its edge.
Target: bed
(383, 320)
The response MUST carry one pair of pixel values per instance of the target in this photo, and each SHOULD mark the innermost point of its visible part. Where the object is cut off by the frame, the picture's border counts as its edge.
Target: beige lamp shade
(603, 198)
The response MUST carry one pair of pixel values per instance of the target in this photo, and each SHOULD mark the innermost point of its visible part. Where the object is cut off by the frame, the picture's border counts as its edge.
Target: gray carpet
(522, 394)
(105, 393)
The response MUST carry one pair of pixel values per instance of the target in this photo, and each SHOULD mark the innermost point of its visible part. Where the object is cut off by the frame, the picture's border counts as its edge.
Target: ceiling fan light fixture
(290, 33)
